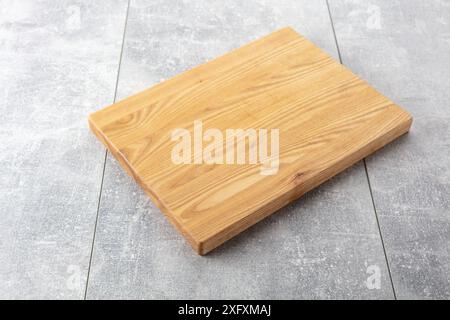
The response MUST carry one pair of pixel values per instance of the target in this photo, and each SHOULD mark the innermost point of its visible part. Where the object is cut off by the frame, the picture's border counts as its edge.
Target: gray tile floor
(74, 226)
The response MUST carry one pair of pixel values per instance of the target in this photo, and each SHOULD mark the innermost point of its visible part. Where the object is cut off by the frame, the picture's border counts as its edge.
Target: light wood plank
(328, 119)
(318, 247)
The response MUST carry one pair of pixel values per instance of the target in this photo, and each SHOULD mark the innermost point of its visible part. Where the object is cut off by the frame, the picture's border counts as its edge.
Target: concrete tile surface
(402, 48)
(326, 245)
(58, 63)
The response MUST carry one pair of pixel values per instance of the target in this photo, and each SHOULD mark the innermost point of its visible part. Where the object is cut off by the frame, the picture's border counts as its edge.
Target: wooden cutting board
(326, 117)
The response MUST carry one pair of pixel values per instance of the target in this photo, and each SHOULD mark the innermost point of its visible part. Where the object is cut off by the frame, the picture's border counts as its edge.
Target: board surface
(327, 117)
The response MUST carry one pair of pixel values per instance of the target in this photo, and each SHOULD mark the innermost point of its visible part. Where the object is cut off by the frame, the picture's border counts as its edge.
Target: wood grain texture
(328, 119)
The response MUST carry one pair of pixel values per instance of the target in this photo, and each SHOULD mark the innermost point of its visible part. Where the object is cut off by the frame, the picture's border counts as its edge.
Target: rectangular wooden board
(327, 117)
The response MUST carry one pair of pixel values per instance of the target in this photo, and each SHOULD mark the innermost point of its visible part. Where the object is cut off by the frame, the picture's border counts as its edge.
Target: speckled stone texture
(402, 48)
(58, 63)
(61, 60)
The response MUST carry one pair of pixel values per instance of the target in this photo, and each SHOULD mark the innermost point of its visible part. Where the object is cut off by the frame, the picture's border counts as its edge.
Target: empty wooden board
(327, 119)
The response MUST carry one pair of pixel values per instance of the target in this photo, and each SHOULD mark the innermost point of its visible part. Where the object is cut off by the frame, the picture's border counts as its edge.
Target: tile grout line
(334, 32)
(365, 168)
(106, 155)
(121, 49)
(95, 225)
(379, 229)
